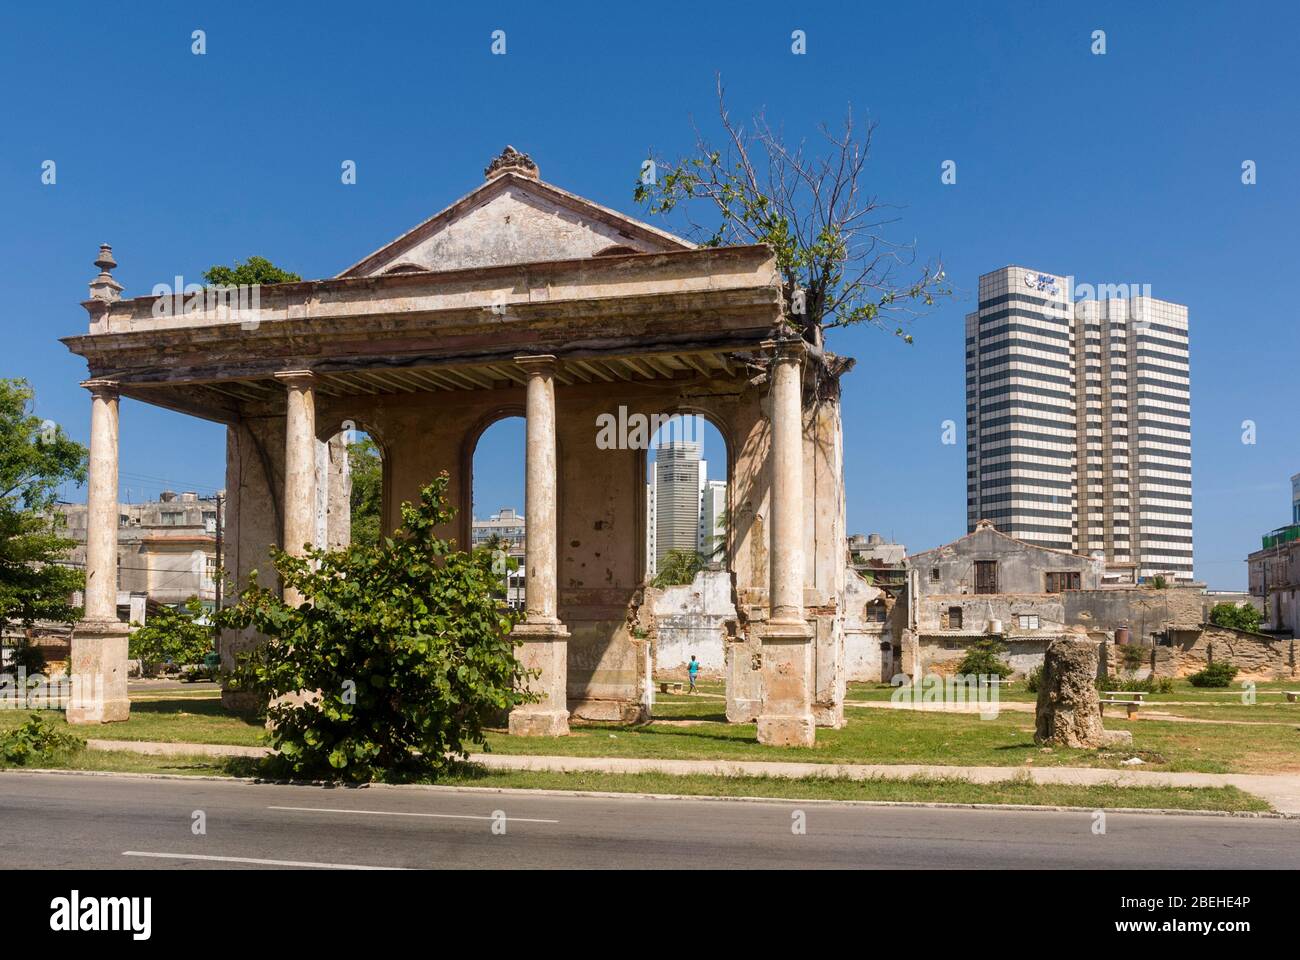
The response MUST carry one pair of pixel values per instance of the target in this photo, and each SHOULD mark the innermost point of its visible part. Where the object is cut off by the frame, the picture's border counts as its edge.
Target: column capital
(538, 364)
(296, 378)
(101, 387)
(787, 348)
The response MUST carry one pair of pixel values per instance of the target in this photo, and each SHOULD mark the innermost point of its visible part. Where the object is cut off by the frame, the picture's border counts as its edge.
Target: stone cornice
(724, 298)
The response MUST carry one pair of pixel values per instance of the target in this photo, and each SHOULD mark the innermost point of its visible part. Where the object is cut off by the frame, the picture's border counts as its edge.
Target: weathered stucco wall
(692, 619)
(1143, 611)
(868, 642)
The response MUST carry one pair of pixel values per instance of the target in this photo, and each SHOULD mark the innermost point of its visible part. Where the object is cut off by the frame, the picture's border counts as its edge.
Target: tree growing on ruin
(253, 271)
(395, 663)
(814, 207)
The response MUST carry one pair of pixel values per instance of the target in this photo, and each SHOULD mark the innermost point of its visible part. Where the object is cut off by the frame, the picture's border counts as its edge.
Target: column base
(786, 719)
(539, 723)
(245, 703)
(545, 650)
(98, 673)
(796, 731)
(829, 716)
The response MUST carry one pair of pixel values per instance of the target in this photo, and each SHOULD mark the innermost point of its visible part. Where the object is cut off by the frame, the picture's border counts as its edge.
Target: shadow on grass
(701, 712)
(193, 707)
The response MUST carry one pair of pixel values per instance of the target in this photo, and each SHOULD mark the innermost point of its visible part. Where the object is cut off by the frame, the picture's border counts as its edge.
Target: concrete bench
(1139, 695)
(1131, 707)
(669, 686)
(1291, 695)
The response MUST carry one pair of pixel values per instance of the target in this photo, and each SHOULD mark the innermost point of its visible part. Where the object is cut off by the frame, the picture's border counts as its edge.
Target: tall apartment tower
(678, 472)
(713, 515)
(1078, 419)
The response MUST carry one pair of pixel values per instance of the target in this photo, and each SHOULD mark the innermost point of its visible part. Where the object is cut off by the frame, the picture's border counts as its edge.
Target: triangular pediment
(513, 218)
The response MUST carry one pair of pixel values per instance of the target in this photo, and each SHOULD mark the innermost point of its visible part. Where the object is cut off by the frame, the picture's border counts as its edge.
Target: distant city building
(167, 549)
(1274, 571)
(713, 518)
(878, 560)
(1078, 421)
(679, 474)
(508, 530)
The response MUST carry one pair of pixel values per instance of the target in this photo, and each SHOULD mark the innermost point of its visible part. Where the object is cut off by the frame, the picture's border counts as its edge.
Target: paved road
(53, 821)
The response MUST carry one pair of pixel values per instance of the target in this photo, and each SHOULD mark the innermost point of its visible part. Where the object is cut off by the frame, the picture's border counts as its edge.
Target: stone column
(786, 718)
(545, 647)
(299, 466)
(99, 641)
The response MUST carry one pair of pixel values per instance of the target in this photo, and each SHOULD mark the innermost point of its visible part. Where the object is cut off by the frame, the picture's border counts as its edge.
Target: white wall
(691, 620)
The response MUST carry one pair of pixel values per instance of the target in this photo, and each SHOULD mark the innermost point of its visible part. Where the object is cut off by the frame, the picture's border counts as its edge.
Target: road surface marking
(399, 813)
(269, 863)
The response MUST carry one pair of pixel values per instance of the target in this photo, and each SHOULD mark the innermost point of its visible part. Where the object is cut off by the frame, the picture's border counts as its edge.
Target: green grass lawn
(871, 735)
(915, 789)
(171, 720)
(904, 736)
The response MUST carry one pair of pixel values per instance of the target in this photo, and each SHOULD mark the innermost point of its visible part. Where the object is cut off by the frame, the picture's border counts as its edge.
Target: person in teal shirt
(693, 668)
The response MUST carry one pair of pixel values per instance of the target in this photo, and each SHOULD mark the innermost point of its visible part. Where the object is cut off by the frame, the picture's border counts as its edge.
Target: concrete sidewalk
(1282, 791)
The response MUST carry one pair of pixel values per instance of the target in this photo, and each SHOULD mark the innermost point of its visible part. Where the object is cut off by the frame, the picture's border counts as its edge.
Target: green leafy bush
(399, 654)
(1239, 617)
(1132, 655)
(1220, 673)
(27, 656)
(1130, 684)
(983, 658)
(1034, 679)
(174, 636)
(37, 741)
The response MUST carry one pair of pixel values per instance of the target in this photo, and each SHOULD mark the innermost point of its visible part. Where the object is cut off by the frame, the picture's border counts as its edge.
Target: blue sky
(1117, 168)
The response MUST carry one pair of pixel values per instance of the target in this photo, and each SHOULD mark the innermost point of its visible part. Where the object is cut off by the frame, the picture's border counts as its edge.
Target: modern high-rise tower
(678, 471)
(1078, 419)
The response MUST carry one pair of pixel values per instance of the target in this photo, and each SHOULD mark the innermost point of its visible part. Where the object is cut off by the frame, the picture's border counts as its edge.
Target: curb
(704, 798)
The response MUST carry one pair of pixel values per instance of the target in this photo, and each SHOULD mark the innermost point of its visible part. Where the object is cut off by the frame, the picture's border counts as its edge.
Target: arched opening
(496, 508)
(688, 516)
(350, 484)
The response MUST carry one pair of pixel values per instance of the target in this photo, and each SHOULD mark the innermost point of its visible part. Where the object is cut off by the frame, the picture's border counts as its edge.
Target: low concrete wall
(691, 619)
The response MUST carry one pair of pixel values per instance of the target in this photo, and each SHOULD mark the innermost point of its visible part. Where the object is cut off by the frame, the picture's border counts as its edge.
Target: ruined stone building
(988, 584)
(518, 299)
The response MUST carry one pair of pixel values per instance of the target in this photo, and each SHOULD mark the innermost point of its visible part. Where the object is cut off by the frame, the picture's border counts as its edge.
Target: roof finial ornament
(511, 161)
(104, 287)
